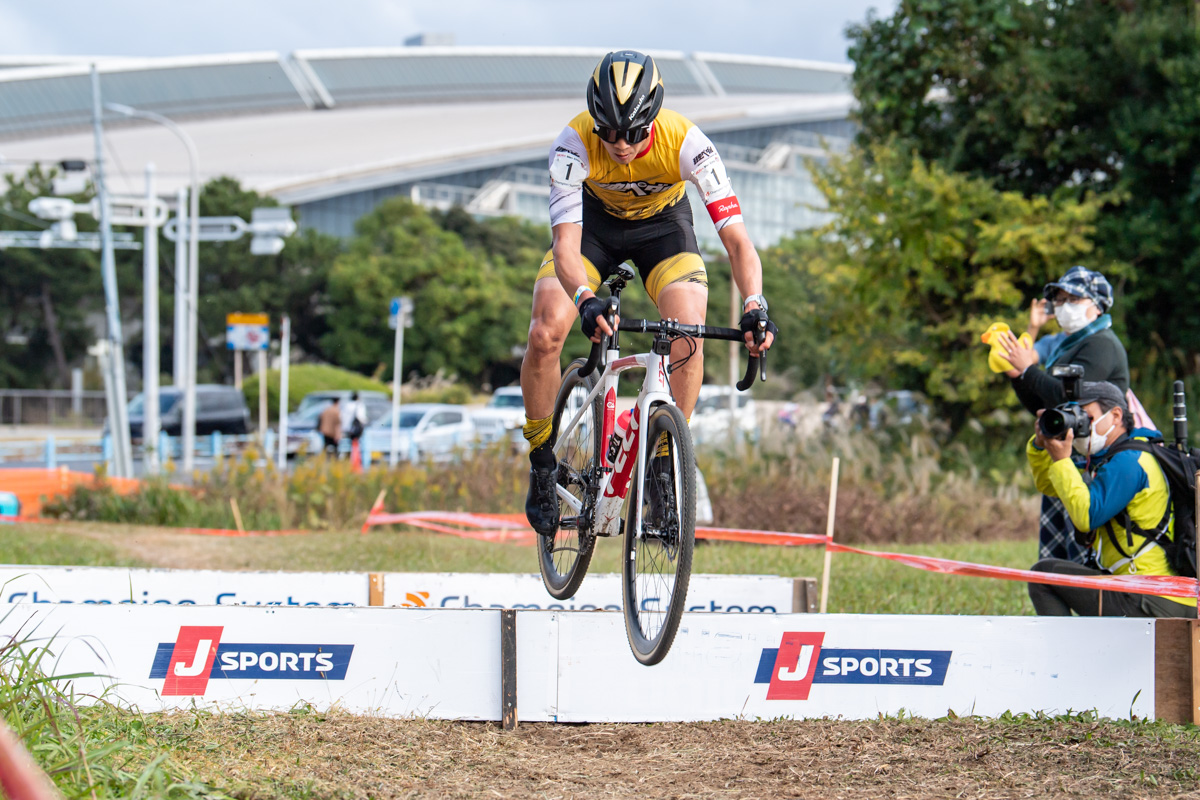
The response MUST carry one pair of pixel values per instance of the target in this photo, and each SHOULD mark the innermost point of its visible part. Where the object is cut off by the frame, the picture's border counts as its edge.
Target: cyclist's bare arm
(747, 273)
(700, 162)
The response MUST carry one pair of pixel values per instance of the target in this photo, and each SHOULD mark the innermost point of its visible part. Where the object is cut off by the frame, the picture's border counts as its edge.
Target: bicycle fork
(631, 459)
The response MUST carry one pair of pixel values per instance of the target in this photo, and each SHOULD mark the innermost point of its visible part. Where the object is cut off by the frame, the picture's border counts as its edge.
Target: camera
(1069, 416)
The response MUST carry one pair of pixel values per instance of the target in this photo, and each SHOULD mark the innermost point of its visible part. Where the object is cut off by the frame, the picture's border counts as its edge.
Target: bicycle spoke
(658, 556)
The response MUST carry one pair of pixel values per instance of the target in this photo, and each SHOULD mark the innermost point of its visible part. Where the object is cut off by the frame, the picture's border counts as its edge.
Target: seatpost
(611, 313)
(1180, 415)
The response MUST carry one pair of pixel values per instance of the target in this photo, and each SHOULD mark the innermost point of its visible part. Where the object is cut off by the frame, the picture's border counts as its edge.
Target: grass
(860, 584)
(38, 544)
(90, 750)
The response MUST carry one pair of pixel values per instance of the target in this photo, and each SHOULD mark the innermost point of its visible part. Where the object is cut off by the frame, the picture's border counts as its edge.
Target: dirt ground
(339, 756)
(306, 754)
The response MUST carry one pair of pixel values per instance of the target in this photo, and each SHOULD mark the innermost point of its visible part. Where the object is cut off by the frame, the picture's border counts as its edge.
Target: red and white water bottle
(618, 437)
(608, 508)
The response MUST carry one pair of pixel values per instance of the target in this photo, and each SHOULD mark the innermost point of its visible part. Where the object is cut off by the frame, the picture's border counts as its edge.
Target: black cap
(1092, 391)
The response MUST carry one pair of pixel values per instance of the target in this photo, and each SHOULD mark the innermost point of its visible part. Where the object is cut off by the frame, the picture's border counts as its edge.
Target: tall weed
(92, 750)
(905, 488)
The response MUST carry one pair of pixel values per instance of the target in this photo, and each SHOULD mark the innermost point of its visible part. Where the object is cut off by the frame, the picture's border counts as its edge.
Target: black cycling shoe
(541, 504)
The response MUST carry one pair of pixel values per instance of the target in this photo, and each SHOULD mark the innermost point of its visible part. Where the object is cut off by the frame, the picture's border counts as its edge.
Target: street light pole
(189, 397)
(179, 364)
(150, 328)
(118, 411)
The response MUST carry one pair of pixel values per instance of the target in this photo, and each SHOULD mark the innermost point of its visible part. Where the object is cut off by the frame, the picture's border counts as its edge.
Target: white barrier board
(766, 594)
(119, 585)
(574, 667)
(849, 666)
(439, 664)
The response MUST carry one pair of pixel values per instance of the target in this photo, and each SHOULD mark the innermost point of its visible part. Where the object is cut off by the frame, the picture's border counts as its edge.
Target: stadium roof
(316, 124)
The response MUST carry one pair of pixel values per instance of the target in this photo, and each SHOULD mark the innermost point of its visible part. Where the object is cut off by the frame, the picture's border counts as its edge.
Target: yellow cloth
(997, 357)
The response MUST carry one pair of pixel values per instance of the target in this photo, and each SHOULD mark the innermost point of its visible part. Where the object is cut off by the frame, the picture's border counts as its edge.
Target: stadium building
(334, 132)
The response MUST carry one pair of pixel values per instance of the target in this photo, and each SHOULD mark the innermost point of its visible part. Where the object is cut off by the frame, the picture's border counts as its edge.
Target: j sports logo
(792, 668)
(198, 654)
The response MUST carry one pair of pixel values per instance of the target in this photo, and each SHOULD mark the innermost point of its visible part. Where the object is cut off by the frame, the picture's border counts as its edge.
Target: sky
(806, 29)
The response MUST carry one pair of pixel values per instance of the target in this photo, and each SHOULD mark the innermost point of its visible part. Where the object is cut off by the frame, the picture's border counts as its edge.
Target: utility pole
(118, 411)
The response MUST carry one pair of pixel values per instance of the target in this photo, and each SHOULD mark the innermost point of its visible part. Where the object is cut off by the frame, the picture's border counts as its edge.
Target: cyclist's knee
(548, 332)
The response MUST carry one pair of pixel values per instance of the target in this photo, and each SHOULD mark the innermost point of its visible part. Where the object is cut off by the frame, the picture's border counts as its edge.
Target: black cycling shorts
(663, 248)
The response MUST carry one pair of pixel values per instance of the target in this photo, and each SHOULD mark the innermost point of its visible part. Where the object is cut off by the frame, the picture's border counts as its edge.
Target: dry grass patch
(341, 756)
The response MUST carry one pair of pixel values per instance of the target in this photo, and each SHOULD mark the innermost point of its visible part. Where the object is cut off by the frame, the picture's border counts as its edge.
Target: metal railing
(51, 407)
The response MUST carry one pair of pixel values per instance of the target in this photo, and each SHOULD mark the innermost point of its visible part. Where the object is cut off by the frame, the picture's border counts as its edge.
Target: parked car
(710, 418)
(504, 412)
(218, 408)
(432, 430)
(302, 423)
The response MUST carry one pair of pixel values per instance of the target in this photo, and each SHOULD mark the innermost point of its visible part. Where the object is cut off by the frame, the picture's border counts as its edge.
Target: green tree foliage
(471, 310)
(45, 295)
(1043, 96)
(232, 280)
(916, 263)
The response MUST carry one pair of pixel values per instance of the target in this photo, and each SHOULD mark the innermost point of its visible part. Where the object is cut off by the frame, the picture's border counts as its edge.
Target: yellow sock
(537, 432)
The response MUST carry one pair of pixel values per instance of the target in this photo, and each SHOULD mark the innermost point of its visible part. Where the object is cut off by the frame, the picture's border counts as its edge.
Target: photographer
(1115, 502)
(1080, 301)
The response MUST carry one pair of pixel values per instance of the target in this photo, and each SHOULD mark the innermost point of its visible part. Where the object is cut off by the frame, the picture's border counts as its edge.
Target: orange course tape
(514, 531)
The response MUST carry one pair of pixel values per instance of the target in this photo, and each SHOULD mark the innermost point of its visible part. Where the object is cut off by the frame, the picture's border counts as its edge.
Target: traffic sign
(400, 305)
(247, 332)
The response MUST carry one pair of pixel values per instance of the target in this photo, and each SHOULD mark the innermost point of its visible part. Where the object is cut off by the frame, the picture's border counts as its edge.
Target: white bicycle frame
(655, 389)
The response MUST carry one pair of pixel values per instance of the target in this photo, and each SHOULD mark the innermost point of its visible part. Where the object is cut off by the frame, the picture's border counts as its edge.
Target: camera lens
(1053, 423)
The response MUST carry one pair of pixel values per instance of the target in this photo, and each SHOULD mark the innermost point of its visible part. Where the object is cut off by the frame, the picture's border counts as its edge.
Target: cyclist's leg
(685, 298)
(551, 319)
(667, 255)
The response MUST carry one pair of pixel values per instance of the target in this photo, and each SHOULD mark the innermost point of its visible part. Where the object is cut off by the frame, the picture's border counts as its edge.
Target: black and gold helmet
(624, 96)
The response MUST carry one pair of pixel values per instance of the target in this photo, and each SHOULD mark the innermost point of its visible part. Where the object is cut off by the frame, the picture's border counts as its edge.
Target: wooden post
(375, 589)
(804, 595)
(1174, 655)
(237, 514)
(1194, 632)
(508, 668)
(833, 485)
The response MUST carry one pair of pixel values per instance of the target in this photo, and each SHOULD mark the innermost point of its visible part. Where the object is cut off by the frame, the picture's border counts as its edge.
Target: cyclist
(617, 193)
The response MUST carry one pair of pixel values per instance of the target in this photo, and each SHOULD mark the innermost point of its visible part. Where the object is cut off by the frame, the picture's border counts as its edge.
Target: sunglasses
(612, 135)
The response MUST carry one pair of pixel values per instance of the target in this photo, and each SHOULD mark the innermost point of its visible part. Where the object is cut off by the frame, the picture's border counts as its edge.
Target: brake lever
(760, 336)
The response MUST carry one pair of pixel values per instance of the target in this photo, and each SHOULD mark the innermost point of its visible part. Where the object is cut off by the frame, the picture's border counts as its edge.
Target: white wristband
(579, 293)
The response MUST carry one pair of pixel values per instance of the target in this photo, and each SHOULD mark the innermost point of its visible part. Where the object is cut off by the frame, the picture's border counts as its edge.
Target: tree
(470, 311)
(917, 262)
(45, 295)
(1044, 96)
(294, 282)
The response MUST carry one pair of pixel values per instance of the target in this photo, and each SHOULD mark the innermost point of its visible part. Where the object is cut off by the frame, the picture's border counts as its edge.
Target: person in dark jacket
(1081, 300)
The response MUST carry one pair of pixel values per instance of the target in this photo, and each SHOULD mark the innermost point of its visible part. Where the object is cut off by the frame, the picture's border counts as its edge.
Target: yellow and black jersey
(676, 151)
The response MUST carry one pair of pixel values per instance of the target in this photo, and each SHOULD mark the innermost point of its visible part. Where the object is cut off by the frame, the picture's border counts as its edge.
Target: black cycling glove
(751, 319)
(588, 311)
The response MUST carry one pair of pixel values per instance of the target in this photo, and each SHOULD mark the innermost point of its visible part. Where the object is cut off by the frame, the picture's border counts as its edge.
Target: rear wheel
(563, 558)
(657, 563)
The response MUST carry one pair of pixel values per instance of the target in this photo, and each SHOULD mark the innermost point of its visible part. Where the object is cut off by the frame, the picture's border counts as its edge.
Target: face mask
(1095, 442)
(1072, 317)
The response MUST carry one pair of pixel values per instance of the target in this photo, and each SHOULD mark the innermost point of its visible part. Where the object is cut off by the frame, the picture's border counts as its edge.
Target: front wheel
(657, 563)
(563, 557)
